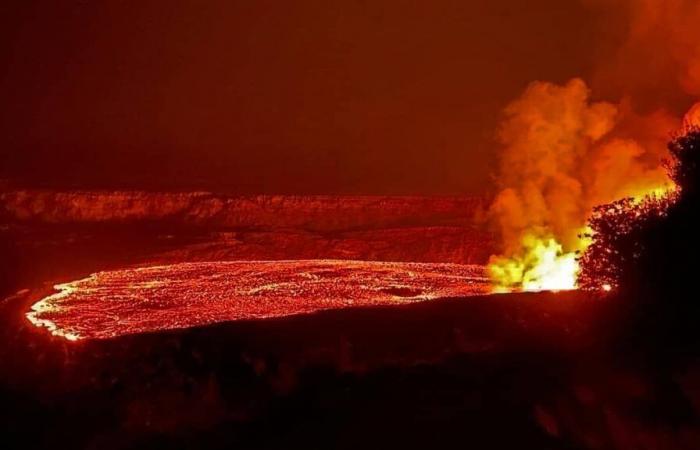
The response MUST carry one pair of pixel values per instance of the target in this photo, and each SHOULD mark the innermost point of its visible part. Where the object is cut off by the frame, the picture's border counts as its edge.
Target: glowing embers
(136, 300)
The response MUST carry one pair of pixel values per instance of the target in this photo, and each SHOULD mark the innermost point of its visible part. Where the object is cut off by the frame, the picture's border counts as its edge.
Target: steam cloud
(562, 153)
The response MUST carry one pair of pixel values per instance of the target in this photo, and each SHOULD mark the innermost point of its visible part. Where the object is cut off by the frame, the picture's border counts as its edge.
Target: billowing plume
(562, 154)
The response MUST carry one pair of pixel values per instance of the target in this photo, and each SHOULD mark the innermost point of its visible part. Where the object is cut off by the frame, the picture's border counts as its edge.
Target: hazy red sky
(310, 96)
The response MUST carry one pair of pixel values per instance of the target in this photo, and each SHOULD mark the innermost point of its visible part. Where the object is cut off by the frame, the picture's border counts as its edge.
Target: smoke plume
(660, 48)
(563, 153)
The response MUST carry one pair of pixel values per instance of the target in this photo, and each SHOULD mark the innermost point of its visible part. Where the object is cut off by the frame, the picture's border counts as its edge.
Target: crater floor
(135, 300)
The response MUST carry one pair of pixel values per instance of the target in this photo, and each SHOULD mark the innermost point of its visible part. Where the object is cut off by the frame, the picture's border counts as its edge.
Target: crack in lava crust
(136, 300)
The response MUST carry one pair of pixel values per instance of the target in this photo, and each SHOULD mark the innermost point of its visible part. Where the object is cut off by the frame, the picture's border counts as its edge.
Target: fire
(562, 155)
(654, 193)
(543, 266)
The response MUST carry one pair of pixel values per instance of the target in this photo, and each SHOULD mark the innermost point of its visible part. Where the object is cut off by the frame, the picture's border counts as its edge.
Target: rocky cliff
(56, 235)
(313, 213)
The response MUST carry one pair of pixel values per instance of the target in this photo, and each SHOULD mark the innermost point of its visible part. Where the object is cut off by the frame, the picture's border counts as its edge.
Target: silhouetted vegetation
(647, 251)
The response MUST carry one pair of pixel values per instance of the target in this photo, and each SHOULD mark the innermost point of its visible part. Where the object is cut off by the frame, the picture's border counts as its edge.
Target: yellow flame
(543, 265)
(654, 193)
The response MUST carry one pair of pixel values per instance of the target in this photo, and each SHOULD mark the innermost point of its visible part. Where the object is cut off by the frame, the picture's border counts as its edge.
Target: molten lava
(136, 300)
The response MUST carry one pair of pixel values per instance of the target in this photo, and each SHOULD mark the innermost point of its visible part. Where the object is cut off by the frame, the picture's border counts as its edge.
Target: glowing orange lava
(136, 300)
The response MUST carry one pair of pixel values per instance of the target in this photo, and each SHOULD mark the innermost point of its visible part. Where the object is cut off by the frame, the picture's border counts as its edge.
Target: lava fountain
(145, 299)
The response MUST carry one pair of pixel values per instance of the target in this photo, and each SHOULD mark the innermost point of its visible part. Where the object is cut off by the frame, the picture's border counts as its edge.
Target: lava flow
(136, 300)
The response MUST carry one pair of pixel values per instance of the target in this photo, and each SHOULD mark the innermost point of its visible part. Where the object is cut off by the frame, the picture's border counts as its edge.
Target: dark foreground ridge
(438, 373)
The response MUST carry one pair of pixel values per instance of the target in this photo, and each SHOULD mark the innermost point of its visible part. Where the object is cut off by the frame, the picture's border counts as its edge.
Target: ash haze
(386, 97)
(383, 97)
